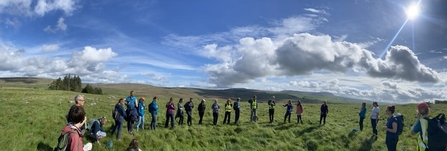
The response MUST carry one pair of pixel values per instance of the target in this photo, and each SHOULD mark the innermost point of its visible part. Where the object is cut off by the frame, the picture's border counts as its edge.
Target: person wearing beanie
(421, 126)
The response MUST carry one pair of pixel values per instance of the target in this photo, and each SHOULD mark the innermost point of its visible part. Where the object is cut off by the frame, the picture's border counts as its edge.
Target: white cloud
(158, 78)
(445, 57)
(39, 8)
(316, 11)
(51, 47)
(91, 56)
(15, 23)
(389, 84)
(61, 26)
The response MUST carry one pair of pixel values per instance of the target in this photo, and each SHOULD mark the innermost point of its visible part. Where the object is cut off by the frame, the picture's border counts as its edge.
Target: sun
(412, 11)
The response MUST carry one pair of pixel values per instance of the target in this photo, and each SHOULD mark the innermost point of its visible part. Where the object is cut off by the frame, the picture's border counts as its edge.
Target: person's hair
(78, 97)
(133, 144)
(142, 99)
(170, 99)
(190, 99)
(254, 96)
(375, 103)
(391, 108)
(121, 99)
(299, 102)
(132, 91)
(154, 98)
(229, 100)
(76, 114)
(363, 103)
(181, 100)
(238, 99)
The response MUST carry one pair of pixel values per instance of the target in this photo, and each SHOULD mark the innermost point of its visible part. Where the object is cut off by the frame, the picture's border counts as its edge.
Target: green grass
(33, 118)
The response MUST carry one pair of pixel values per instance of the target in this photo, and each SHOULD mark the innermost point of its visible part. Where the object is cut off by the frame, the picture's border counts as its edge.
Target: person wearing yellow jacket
(228, 108)
(421, 126)
(253, 106)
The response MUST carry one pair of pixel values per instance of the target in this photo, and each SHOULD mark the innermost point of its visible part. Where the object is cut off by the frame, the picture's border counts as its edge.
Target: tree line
(73, 83)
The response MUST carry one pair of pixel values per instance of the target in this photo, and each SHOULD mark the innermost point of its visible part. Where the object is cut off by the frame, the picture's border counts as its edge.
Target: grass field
(33, 118)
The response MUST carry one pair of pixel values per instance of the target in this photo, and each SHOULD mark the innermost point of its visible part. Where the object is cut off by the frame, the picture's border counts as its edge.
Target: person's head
(132, 93)
(229, 100)
(103, 120)
(170, 100)
(215, 101)
(390, 109)
(155, 98)
(298, 102)
(423, 108)
(133, 144)
(190, 99)
(238, 99)
(273, 97)
(363, 104)
(181, 100)
(290, 102)
(79, 99)
(142, 99)
(203, 101)
(254, 97)
(324, 102)
(375, 104)
(77, 115)
(121, 101)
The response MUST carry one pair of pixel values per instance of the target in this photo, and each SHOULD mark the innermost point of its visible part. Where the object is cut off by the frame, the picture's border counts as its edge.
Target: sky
(366, 49)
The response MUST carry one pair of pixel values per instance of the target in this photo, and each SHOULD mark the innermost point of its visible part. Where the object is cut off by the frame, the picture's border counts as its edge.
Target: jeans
(189, 120)
(140, 121)
(215, 117)
(391, 143)
(180, 121)
(237, 113)
(154, 121)
(227, 117)
(271, 115)
(118, 125)
(287, 115)
(201, 117)
(323, 117)
(253, 115)
(169, 116)
(299, 119)
(129, 126)
(361, 123)
(374, 126)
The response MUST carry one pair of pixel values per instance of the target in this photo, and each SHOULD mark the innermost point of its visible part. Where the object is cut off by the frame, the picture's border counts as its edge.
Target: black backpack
(116, 113)
(151, 108)
(62, 141)
(400, 123)
(437, 133)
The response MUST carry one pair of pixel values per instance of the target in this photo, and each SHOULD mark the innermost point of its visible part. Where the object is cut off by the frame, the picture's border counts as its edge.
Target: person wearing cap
(272, 104)
(188, 108)
(141, 108)
(421, 126)
(237, 110)
(201, 110)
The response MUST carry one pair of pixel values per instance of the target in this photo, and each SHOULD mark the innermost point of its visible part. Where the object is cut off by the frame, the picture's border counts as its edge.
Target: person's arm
(327, 109)
(392, 130)
(123, 112)
(416, 127)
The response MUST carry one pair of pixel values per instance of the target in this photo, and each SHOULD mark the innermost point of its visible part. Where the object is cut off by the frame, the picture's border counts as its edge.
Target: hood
(68, 128)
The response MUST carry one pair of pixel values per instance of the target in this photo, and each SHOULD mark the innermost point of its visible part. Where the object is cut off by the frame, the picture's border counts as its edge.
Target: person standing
(132, 105)
(391, 129)
(141, 108)
(362, 115)
(188, 108)
(289, 110)
(153, 109)
(253, 106)
(375, 118)
(119, 121)
(201, 110)
(421, 127)
(324, 111)
(272, 104)
(170, 108)
(299, 112)
(79, 101)
(180, 111)
(215, 107)
(228, 108)
(237, 110)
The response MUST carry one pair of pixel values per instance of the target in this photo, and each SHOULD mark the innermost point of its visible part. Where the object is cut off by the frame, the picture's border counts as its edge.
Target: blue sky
(343, 47)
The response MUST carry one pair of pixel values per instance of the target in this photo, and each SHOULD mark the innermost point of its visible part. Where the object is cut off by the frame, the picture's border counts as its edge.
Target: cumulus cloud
(51, 47)
(158, 78)
(60, 26)
(389, 84)
(445, 57)
(39, 8)
(304, 53)
(90, 57)
(306, 84)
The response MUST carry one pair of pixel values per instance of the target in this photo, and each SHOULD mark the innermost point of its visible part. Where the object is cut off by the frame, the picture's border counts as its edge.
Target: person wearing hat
(201, 109)
(421, 126)
(237, 110)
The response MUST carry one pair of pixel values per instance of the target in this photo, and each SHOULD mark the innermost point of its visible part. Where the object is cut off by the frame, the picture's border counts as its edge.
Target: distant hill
(148, 91)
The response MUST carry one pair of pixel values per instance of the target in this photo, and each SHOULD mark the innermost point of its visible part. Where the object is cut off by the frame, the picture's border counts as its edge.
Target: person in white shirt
(375, 117)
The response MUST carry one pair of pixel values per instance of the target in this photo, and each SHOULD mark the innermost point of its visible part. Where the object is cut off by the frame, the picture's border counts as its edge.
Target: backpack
(89, 124)
(116, 114)
(400, 123)
(151, 108)
(62, 141)
(437, 132)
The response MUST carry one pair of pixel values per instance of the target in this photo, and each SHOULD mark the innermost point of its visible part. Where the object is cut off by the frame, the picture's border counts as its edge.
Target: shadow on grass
(367, 144)
(308, 130)
(284, 126)
(44, 147)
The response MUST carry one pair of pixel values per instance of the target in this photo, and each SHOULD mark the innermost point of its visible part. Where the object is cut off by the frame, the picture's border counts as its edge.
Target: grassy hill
(32, 120)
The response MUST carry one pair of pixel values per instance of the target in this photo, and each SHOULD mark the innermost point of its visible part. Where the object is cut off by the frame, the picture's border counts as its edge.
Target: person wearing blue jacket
(141, 108)
(362, 115)
(288, 111)
(132, 113)
(97, 131)
(153, 109)
(119, 121)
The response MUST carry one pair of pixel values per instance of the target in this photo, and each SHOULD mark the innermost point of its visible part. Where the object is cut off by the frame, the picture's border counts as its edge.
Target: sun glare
(412, 11)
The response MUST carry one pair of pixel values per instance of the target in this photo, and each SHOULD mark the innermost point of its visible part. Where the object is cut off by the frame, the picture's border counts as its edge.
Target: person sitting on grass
(78, 118)
(97, 131)
(133, 146)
